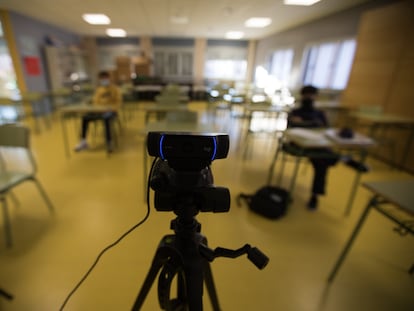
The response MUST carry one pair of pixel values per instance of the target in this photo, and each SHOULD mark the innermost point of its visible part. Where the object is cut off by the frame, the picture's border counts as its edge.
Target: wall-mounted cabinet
(66, 67)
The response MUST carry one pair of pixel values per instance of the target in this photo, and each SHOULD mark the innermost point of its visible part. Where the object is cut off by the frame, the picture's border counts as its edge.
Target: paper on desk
(307, 134)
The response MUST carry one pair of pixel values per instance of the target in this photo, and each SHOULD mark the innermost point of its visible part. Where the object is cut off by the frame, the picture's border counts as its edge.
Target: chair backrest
(14, 135)
(370, 109)
(182, 116)
(168, 100)
(171, 90)
(15, 150)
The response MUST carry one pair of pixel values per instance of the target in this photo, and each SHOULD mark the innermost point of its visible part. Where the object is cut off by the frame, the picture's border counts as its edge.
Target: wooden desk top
(193, 127)
(85, 108)
(164, 107)
(266, 108)
(398, 192)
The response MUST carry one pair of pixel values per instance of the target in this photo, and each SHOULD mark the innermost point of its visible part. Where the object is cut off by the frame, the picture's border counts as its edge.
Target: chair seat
(10, 179)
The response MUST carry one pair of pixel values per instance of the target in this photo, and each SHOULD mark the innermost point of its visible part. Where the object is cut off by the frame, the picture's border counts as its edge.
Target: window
(8, 83)
(226, 63)
(173, 62)
(329, 64)
(225, 69)
(281, 64)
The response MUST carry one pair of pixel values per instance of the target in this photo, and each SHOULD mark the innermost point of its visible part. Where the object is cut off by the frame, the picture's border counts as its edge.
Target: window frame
(180, 52)
(338, 41)
(269, 63)
(227, 54)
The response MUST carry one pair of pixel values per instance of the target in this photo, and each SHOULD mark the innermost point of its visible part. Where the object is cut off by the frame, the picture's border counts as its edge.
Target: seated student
(106, 94)
(308, 116)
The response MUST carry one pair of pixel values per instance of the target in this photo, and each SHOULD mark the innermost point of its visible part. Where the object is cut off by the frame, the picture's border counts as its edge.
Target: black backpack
(268, 201)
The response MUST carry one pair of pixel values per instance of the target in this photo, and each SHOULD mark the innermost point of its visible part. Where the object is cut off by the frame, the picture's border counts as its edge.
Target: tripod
(185, 255)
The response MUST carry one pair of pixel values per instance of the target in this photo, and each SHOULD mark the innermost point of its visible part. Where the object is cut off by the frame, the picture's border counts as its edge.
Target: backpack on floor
(268, 201)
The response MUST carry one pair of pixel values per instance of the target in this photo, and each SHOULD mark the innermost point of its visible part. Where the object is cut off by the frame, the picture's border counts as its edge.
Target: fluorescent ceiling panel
(234, 35)
(258, 22)
(300, 2)
(116, 32)
(96, 19)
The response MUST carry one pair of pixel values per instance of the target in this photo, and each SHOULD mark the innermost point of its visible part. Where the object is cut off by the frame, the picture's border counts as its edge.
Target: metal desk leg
(246, 135)
(407, 148)
(65, 136)
(282, 169)
(348, 245)
(295, 174)
(355, 184)
(273, 164)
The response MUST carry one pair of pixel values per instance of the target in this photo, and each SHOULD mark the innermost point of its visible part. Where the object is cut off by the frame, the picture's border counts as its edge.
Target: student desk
(384, 121)
(400, 194)
(269, 111)
(157, 109)
(304, 139)
(78, 110)
(274, 120)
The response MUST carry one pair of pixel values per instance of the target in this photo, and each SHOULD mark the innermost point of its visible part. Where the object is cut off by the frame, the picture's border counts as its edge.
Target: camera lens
(188, 147)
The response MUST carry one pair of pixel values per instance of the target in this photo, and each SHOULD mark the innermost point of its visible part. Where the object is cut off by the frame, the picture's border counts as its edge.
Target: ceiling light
(300, 2)
(116, 32)
(258, 22)
(234, 35)
(96, 19)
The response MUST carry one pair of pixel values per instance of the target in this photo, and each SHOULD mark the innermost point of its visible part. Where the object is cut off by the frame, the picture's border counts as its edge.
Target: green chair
(184, 116)
(13, 136)
(10, 110)
(37, 106)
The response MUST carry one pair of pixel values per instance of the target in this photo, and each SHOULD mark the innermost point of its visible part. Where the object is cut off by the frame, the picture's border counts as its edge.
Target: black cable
(114, 243)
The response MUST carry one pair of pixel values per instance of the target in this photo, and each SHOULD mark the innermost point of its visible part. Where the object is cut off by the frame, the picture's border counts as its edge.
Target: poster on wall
(32, 65)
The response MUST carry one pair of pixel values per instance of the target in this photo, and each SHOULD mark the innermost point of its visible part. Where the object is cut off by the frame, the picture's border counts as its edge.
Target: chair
(16, 136)
(185, 116)
(38, 106)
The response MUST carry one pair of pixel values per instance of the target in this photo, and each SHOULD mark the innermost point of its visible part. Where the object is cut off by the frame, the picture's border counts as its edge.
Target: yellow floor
(97, 198)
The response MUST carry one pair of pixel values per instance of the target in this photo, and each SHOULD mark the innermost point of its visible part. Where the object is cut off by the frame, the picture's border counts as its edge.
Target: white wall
(341, 25)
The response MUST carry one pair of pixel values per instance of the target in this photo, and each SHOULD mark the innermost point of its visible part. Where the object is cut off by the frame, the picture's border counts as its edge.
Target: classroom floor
(97, 198)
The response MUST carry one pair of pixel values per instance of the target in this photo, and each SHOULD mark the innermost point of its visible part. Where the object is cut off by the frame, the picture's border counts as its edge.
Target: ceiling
(207, 18)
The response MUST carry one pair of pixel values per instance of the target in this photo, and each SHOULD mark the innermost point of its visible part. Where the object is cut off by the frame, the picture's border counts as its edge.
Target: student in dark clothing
(307, 116)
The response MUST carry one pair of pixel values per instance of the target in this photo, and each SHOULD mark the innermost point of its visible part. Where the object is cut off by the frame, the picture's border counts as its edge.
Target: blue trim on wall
(108, 41)
(232, 43)
(159, 41)
(30, 36)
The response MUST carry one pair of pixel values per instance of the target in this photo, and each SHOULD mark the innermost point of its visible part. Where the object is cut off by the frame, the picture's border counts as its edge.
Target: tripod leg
(5, 294)
(157, 263)
(208, 279)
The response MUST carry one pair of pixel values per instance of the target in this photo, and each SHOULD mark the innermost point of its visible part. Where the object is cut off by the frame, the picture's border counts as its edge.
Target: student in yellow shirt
(106, 94)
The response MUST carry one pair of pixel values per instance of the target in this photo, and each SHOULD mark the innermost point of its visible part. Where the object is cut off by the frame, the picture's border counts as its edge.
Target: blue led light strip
(215, 149)
(161, 153)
